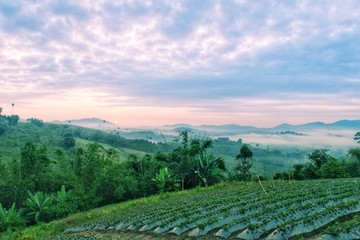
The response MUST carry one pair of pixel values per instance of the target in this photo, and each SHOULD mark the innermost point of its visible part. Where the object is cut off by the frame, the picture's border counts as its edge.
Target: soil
(131, 235)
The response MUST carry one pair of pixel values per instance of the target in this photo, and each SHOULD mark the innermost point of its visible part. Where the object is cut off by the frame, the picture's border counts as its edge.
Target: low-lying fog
(316, 139)
(338, 142)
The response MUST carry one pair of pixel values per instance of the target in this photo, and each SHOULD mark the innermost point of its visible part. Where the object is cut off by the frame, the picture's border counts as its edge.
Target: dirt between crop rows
(136, 235)
(130, 235)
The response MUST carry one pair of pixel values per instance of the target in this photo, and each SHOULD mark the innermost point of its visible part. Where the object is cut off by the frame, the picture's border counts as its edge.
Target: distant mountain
(229, 127)
(87, 122)
(226, 130)
(301, 127)
(177, 126)
(339, 125)
(351, 124)
(235, 129)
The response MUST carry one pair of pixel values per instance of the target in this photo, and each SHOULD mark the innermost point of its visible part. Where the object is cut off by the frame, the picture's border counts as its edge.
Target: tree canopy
(357, 137)
(246, 161)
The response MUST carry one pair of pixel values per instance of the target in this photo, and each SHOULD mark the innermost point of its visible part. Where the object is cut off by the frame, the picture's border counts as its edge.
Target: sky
(152, 62)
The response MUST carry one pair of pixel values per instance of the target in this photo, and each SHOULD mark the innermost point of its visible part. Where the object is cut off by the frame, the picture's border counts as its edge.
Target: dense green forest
(48, 171)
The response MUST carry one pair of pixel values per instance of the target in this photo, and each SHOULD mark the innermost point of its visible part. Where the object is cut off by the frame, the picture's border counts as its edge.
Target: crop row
(283, 210)
(348, 229)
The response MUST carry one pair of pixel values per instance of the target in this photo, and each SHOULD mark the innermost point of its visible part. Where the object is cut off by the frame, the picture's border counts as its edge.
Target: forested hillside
(49, 171)
(63, 136)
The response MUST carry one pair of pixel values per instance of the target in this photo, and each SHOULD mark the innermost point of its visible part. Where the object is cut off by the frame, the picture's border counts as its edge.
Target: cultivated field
(323, 209)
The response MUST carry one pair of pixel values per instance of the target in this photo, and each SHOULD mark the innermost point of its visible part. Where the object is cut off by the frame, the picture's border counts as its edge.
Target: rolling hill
(52, 136)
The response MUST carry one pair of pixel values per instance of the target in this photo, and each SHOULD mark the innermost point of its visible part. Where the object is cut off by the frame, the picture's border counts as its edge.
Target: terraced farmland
(322, 209)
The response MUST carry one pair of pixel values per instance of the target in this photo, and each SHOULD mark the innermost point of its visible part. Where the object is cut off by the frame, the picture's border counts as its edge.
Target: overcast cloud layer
(195, 61)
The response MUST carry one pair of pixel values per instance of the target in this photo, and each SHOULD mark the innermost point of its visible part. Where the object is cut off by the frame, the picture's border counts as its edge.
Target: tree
(61, 160)
(35, 121)
(34, 161)
(92, 165)
(3, 125)
(193, 164)
(13, 119)
(310, 171)
(78, 159)
(357, 137)
(68, 140)
(28, 160)
(3, 171)
(109, 183)
(332, 169)
(180, 160)
(355, 152)
(353, 166)
(318, 157)
(246, 160)
(35, 169)
(298, 173)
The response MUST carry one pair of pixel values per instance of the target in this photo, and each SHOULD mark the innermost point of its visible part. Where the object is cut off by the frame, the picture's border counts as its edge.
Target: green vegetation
(341, 229)
(51, 171)
(42, 160)
(323, 165)
(165, 181)
(246, 161)
(10, 219)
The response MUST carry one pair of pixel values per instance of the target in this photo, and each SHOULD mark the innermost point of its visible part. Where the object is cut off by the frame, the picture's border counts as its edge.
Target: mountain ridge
(236, 128)
(232, 128)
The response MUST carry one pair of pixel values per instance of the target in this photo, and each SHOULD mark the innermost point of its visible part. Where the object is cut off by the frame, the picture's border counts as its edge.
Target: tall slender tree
(246, 161)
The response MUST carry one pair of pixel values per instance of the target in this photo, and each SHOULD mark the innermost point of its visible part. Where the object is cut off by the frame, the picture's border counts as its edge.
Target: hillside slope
(53, 136)
(323, 209)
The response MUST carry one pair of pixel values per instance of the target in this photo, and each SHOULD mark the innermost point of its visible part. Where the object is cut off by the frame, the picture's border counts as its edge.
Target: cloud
(188, 54)
(69, 8)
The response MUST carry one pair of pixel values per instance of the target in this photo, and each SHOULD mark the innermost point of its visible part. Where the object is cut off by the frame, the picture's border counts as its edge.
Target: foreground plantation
(320, 209)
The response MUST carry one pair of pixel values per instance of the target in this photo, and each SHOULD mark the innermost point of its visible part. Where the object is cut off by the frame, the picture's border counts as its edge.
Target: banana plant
(62, 195)
(10, 219)
(38, 204)
(208, 168)
(164, 180)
